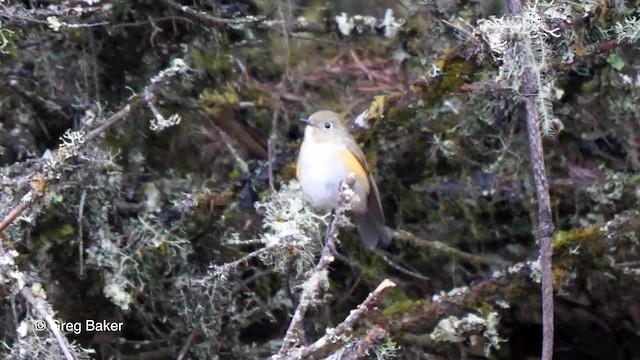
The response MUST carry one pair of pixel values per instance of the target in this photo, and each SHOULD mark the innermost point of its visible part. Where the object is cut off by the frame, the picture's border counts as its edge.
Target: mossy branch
(348, 323)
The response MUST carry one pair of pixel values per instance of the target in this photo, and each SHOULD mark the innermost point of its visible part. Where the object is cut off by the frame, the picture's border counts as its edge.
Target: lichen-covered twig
(209, 19)
(428, 310)
(271, 146)
(348, 323)
(530, 91)
(24, 205)
(83, 198)
(187, 344)
(362, 347)
(119, 115)
(40, 306)
(318, 280)
(76, 139)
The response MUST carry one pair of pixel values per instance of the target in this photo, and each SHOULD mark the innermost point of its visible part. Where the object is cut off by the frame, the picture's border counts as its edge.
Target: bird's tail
(372, 232)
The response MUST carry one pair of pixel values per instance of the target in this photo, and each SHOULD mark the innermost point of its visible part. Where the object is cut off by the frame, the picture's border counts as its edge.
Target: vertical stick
(545, 222)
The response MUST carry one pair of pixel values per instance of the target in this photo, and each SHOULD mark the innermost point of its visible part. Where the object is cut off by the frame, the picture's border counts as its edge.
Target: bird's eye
(327, 125)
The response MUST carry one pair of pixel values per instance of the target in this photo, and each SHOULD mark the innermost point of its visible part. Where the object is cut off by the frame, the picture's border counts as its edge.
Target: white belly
(320, 175)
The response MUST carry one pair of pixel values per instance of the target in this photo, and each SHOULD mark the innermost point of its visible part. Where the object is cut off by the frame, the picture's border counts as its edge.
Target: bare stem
(545, 223)
(15, 213)
(46, 315)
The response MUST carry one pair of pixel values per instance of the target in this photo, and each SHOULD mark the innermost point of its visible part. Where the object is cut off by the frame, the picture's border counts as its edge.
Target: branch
(374, 336)
(545, 229)
(178, 66)
(349, 322)
(423, 313)
(45, 314)
(440, 247)
(318, 280)
(212, 20)
(187, 344)
(24, 205)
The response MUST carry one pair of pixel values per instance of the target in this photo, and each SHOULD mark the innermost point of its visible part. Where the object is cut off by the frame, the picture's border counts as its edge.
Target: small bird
(327, 156)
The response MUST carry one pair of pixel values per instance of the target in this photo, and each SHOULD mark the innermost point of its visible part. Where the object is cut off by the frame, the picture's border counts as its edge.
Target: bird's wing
(374, 206)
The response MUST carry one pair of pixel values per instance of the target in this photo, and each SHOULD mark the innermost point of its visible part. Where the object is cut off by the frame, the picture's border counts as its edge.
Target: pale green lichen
(610, 191)
(178, 66)
(286, 216)
(71, 143)
(536, 270)
(290, 242)
(520, 43)
(115, 290)
(387, 350)
(160, 123)
(9, 273)
(54, 23)
(628, 30)
(368, 24)
(456, 330)
(5, 34)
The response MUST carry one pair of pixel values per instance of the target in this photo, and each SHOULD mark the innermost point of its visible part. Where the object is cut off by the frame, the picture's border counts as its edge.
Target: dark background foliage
(136, 227)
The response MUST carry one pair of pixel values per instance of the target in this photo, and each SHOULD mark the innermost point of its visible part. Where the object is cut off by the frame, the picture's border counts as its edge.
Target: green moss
(57, 235)
(214, 62)
(9, 39)
(377, 107)
(215, 101)
(234, 175)
(403, 306)
(457, 72)
(564, 239)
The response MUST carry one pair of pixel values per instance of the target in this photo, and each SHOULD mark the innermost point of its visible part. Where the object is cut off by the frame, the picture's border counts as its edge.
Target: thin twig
(399, 268)
(208, 19)
(286, 19)
(545, 221)
(147, 95)
(83, 197)
(162, 77)
(187, 344)
(230, 143)
(48, 318)
(110, 121)
(10, 218)
(15, 213)
(349, 322)
(466, 33)
(318, 281)
(158, 19)
(271, 146)
(440, 247)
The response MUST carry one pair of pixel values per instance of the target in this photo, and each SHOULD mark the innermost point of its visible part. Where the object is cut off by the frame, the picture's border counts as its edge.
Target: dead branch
(545, 222)
(212, 20)
(10, 218)
(40, 306)
(349, 322)
(318, 281)
(440, 247)
(161, 78)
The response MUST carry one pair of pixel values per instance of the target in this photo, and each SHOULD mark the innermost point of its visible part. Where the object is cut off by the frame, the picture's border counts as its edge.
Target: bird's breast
(321, 169)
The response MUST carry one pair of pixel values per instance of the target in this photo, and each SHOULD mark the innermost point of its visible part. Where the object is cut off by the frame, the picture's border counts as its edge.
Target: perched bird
(327, 156)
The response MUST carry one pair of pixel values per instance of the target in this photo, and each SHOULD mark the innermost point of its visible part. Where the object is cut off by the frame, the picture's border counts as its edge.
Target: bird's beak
(306, 121)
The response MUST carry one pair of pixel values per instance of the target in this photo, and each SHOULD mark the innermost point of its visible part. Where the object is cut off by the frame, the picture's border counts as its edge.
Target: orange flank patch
(354, 164)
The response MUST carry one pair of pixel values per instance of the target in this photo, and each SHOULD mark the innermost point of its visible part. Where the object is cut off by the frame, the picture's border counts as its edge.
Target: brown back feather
(374, 216)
